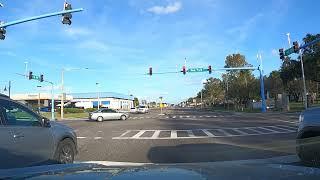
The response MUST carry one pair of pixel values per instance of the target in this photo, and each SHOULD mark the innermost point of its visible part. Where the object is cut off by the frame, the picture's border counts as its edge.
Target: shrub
(90, 109)
(72, 110)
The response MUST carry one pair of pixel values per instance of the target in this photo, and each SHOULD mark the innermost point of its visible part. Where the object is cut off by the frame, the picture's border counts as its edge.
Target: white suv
(143, 109)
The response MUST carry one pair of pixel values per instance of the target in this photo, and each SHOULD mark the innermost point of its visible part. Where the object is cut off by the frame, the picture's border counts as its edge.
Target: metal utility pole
(26, 69)
(289, 41)
(201, 99)
(303, 81)
(62, 94)
(161, 104)
(39, 103)
(98, 92)
(9, 88)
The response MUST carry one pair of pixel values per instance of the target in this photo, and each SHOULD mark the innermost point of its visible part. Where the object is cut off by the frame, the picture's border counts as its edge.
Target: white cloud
(242, 31)
(170, 8)
(274, 52)
(77, 31)
(93, 44)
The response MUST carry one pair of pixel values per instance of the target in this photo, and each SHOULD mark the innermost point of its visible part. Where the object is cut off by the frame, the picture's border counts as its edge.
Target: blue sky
(119, 40)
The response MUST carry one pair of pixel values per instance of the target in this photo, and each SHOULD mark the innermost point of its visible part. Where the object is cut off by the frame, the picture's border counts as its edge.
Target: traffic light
(30, 75)
(66, 18)
(209, 69)
(150, 71)
(296, 47)
(281, 53)
(2, 33)
(41, 78)
(184, 70)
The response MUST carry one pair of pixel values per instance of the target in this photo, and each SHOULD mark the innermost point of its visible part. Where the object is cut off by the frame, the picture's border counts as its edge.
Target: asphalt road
(186, 135)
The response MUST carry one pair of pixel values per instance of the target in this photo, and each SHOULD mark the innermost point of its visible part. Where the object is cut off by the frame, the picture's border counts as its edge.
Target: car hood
(279, 168)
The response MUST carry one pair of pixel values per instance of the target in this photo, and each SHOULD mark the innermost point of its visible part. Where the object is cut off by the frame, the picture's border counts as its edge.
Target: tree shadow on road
(207, 152)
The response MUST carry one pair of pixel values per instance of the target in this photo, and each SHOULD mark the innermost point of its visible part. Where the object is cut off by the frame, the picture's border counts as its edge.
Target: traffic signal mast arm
(39, 17)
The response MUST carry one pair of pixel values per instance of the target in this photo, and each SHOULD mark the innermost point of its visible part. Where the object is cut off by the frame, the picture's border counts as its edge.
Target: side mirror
(45, 122)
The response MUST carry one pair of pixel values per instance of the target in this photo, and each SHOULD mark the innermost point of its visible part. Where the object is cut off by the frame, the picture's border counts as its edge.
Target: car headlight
(301, 117)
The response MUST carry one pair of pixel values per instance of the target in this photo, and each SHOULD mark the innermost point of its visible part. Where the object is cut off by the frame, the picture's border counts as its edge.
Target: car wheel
(123, 117)
(65, 152)
(308, 152)
(100, 119)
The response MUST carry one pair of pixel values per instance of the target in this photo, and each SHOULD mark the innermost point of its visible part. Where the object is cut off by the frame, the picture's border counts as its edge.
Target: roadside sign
(161, 105)
(197, 70)
(289, 51)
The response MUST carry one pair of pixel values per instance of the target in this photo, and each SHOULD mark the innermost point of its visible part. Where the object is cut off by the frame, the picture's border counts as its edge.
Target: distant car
(308, 137)
(108, 114)
(26, 138)
(134, 110)
(45, 109)
(143, 109)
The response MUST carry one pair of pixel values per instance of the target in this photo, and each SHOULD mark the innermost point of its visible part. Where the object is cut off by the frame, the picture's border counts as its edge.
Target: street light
(62, 86)
(98, 93)
(39, 104)
(204, 83)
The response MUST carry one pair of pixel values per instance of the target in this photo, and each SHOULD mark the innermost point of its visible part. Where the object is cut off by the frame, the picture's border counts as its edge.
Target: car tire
(308, 152)
(100, 119)
(123, 117)
(65, 152)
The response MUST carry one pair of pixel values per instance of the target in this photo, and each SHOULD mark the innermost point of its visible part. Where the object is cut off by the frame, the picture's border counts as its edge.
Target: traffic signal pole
(303, 81)
(39, 17)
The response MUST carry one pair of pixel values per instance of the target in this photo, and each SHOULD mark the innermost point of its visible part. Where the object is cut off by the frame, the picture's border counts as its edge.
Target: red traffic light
(184, 70)
(30, 75)
(66, 18)
(41, 78)
(296, 47)
(209, 69)
(150, 71)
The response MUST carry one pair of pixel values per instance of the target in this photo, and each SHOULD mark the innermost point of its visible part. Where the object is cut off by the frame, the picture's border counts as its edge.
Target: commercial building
(80, 100)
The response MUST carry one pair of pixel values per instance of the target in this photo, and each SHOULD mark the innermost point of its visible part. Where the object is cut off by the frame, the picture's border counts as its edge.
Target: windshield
(166, 81)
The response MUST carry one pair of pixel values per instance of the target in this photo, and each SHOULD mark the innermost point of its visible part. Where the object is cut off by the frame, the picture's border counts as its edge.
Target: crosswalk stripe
(134, 118)
(193, 116)
(268, 129)
(181, 116)
(156, 134)
(167, 117)
(254, 130)
(289, 127)
(124, 133)
(174, 134)
(209, 134)
(190, 133)
(174, 117)
(241, 132)
(200, 116)
(141, 117)
(283, 129)
(208, 116)
(224, 132)
(81, 137)
(138, 134)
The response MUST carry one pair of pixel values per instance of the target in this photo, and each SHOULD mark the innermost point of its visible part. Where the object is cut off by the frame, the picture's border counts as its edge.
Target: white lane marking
(141, 117)
(134, 118)
(267, 129)
(156, 134)
(254, 130)
(289, 127)
(76, 130)
(190, 133)
(200, 116)
(208, 116)
(97, 138)
(194, 117)
(291, 122)
(209, 134)
(138, 134)
(181, 116)
(224, 132)
(167, 117)
(241, 132)
(81, 137)
(283, 129)
(148, 117)
(215, 116)
(173, 134)
(174, 117)
(99, 131)
(187, 116)
(124, 133)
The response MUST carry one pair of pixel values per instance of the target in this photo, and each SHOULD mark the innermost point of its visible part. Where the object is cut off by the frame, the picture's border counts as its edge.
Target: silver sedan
(107, 114)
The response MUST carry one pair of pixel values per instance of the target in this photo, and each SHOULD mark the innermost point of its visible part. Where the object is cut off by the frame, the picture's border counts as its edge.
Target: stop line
(206, 133)
(178, 117)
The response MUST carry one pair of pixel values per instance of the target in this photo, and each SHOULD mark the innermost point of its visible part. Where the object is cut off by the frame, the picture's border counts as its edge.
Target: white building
(106, 99)
(81, 100)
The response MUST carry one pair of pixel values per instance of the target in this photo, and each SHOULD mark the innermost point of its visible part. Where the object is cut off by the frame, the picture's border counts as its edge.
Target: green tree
(242, 85)
(136, 101)
(213, 91)
(274, 84)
